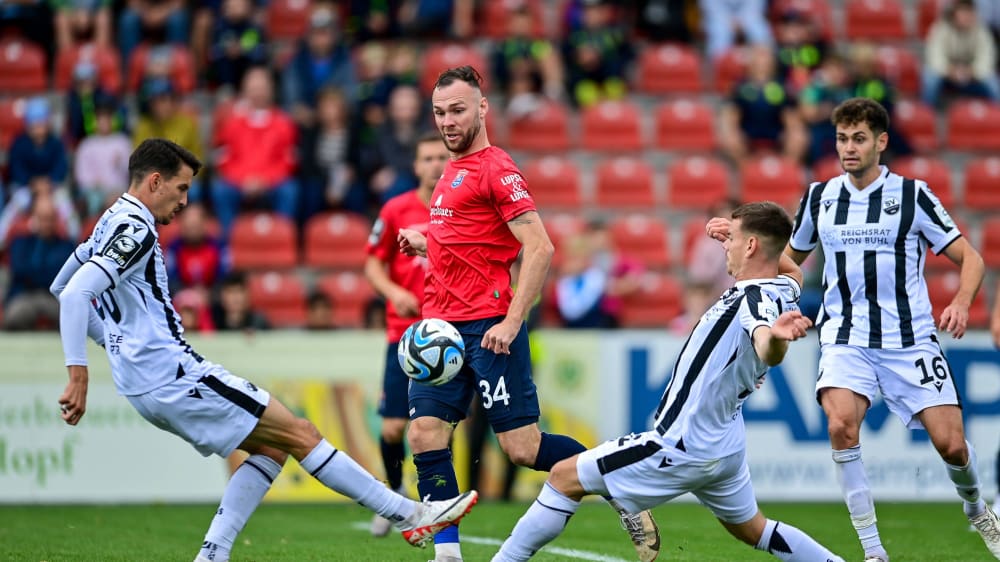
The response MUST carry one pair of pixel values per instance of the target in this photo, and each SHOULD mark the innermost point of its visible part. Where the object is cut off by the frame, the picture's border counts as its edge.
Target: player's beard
(465, 140)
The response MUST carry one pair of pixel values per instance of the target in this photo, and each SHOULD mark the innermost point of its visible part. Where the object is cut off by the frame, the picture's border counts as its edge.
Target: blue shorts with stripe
(394, 402)
(503, 382)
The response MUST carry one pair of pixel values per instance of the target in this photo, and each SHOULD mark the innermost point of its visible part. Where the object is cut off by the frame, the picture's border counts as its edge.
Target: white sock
(542, 523)
(786, 542)
(858, 496)
(966, 479)
(338, 471)
(243, 494)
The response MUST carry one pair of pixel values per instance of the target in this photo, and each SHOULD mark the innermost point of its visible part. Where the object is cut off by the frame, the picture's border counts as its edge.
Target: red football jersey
(402, 211)
(469, 246)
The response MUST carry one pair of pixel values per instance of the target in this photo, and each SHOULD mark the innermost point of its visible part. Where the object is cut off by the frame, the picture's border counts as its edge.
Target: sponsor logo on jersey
(890, 206)
(944, 216)
(376, 233)
(459, 178)
(121, 249)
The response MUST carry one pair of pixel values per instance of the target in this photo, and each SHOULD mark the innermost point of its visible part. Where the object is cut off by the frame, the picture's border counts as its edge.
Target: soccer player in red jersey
(399, 278)
(481, 217)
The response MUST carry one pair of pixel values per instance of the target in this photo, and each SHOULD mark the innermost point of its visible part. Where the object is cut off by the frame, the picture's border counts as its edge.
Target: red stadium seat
(181, 67)
(928, 13)
(336, 240)
(561, 227)
(919, 123)
(982, 184)
(667, 69)
(696, 183)
(874, 19)
(773, 178)
(350, 293)
(493, 20)
(974, 125)
(643, 237)
(11, 120)
(655, 305)
(685, 125)
(263, 241)
(934, 171)
(900, 66)
(694, 229)
(543, 130)
(625, 182)
(105, 59)
(612, 126)
(22, 67)
(280, 297)
(827, 169)
(991, 242)
(553, 182)
(441, 57)
(941, 290)
(730, 69)
(287, 19)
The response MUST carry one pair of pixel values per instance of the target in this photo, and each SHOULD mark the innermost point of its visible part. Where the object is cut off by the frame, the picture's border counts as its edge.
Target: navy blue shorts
(395, 386)
(503, 381)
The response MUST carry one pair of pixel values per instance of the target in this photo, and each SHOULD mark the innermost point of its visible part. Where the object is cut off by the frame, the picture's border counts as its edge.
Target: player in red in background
(399, 278)
(481, 217)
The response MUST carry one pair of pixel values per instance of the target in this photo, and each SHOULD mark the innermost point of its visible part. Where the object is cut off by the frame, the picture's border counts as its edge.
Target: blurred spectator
(83, 98)
(82, 21)
(624, 273)
(195, 259)
(761, 114)
(369, 20)
(327, 175)
(234, 311)
(155, 21)
(438, 18)
(322, 59)
(396, 145)
(38, 168)
(237, 44)
(597, 56)
(319, 312)
(257, 160)
(375, 314)
(960, 56)
(801, 48)
(100, 167)
(192, 305)
(829, 86)
(375, 82)
(869, 82)
(35, 259)
(162, 117)
(526, 67)
(727, 21)
(707, 263)
(663, 20)
(31, 19)
(580, 287)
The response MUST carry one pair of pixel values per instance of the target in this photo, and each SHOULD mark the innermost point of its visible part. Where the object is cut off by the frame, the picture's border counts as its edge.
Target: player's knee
(520, 453)
(563, 475)
(427, 434)
(392, 430)
(843, 433)
(954, 451)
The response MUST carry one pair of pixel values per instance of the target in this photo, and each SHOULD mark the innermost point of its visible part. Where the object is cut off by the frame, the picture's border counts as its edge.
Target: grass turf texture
(911, 532)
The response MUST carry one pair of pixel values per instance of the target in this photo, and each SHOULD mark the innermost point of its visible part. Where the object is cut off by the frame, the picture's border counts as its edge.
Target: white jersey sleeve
(932, 221)
(758, 309)
(124, 249)
(804, 233)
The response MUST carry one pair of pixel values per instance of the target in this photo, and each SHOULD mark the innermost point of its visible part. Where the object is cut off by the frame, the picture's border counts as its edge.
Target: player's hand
(954, 320)
(718, 228)
(405, 303)
(498, 338)
(411, 242)
(790, 326)
(73, 401)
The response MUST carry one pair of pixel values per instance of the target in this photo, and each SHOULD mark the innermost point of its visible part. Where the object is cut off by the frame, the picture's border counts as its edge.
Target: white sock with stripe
(786, 542)
(542, 523)
(243, 494)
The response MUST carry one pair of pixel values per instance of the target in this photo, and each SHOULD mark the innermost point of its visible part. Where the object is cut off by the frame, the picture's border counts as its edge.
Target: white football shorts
(208, 407)
(910, 379)
(640, 472)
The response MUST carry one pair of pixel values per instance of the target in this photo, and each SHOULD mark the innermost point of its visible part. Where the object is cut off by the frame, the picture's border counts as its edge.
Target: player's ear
(882, 141)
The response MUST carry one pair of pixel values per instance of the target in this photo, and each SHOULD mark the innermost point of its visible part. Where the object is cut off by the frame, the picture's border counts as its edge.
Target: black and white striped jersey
(718, 368)
(875, 242)
(143, 336)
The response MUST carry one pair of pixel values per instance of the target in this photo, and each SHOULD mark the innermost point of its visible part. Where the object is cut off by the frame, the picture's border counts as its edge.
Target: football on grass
(431, 351)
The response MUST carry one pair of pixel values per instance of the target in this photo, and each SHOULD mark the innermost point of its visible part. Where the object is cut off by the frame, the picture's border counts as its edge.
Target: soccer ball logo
(431, 351)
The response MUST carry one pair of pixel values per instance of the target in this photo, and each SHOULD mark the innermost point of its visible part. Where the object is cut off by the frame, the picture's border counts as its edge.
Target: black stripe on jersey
(673, 378)
(871, 293)
(697, 365)
(130, 202)
(255, 408)
(908, 209)
(875, 206)
(846, 308)
(810, 201)
(928, 207)
(106, 272)
(168, 312)
(843, 206)
(145, 248)
(754, 298)
(107, 239)
(625, 457)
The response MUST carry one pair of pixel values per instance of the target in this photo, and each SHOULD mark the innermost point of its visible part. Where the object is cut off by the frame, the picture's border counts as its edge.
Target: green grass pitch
(912, 532)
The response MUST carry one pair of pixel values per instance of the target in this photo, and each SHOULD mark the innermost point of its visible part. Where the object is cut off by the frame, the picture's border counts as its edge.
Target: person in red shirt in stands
(399, 278)
(481, 217)
(258, 153)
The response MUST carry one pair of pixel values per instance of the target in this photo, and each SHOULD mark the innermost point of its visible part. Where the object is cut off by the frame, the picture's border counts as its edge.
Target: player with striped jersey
(698, 442)
(876, 328)
(120, 269)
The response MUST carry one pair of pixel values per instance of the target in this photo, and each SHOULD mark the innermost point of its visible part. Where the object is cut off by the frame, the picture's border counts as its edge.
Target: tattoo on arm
(526, 218)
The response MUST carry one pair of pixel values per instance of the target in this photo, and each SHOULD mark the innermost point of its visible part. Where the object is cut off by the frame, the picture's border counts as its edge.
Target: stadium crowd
(633, 121)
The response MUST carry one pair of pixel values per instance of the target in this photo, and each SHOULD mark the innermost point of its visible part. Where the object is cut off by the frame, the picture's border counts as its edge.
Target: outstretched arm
(771, 343)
